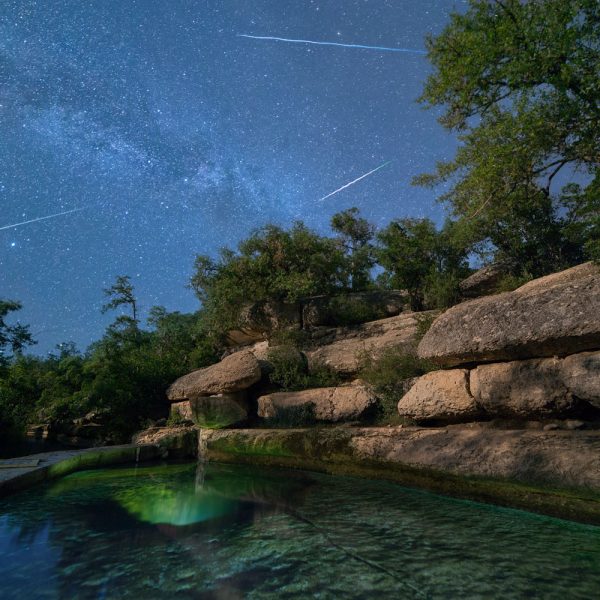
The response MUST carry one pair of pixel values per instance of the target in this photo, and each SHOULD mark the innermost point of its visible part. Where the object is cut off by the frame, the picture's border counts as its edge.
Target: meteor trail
(361, 46)
(66, 212)
(347, 185)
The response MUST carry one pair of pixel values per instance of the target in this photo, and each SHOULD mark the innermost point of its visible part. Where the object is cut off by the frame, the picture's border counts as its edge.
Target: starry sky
(176, 136)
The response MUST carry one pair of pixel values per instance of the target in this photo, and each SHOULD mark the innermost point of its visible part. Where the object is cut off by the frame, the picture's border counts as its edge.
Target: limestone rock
(581, 375)
(343, 348)
(483, 281)
(234, 373)
(216, 412)
(181, 410)
(523, 388)
(553, 315)
(354, 308)
(346, 403)
(259, 320)
(440, 396)
(180, 441)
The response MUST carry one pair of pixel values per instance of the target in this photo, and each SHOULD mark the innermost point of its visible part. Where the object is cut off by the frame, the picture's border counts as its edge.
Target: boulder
(346, 403)
(524, 388)
(181, 410)
(344, 348)
(354, 308)
(234, 373)
(580, 373)
(440, 396)
(484, 281)
(553, 315)
(259, 320)
(218, 411)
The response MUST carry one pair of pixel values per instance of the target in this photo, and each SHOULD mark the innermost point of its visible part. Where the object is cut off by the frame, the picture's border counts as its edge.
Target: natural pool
(227, 532)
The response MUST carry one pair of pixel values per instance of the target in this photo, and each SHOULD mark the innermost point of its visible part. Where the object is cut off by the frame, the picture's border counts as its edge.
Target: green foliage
(175, 419)
(424, 322)
(511, 282)
(272, 263)
(121, 294)
(388, 375)
(12, 337)
(290, 370)
(355, 235)
(123, 376)
(519, 82)
(353, 310)
(425, 262)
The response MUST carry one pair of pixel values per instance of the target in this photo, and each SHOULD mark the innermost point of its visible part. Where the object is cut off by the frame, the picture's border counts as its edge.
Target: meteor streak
(347, 185)
(66, 212)
(361, 46)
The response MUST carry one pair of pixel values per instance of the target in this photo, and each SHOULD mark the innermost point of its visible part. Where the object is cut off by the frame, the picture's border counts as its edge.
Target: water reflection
(226, 532)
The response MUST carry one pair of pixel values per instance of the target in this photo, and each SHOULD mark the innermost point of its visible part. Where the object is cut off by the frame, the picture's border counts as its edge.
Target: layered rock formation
(260, 320)
(440, 396)
(334, 404)
(553, 315)
(343, 349)
(545, 323)
(215, 396)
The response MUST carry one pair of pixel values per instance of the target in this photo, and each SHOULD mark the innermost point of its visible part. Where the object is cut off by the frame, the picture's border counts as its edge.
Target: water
(229, 532)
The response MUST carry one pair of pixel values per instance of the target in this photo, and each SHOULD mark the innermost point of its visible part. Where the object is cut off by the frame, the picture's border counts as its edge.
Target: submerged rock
(234, 373)
(553, 315)
(440, 396)
(333, 404)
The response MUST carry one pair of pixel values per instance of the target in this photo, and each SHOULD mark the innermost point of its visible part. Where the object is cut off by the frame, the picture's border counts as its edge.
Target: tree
(519, 81)
(121, 293)
(273, 263)
(355, 235)
(13, 338)
(423, 261)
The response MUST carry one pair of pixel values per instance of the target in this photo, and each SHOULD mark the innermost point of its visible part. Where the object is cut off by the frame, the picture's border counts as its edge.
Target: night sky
(176, 136)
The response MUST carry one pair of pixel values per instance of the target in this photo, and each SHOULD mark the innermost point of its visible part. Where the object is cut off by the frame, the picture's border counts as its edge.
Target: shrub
(290, 370)
(389, 374)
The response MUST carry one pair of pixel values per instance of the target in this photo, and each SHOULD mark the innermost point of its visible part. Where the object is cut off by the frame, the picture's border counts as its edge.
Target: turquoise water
(229, 532)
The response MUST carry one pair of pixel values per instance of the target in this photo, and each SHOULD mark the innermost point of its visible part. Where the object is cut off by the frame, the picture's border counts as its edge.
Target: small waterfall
(137, 455)
(201, 446)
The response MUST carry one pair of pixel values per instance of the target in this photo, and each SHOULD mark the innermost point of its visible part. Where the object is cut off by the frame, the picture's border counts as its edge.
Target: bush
(389, 375)
(290, 370)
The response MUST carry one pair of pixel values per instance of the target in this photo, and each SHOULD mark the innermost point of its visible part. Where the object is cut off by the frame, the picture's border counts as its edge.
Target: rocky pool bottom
(229, 531)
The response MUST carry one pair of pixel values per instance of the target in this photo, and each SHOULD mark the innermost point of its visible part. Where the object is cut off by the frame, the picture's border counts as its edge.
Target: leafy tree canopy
(13, 338)
(426, 262)
(519, 81)
(272, 263)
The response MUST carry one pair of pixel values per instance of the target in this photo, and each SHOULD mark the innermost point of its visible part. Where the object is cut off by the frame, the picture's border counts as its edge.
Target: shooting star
(347, 185)
(66, 212)
(360, 46)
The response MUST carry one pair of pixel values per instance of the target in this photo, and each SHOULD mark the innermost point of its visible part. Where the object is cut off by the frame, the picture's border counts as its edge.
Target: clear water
(228, 532)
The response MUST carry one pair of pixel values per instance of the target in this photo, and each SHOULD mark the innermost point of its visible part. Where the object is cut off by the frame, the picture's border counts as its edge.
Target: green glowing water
(182, 531)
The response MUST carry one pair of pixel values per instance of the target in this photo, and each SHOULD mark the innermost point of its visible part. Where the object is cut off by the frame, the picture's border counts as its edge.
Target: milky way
(179, 137)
